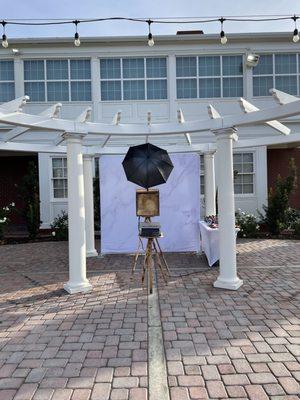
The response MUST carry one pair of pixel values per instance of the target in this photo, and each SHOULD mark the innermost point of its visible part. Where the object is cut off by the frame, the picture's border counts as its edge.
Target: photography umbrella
(147, 165)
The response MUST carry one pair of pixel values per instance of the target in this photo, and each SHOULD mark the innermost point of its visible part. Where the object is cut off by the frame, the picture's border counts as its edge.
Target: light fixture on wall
(296, 36)
(4, 37)
(252, 60)
(76, 36)
(150, 36)
(222, 33)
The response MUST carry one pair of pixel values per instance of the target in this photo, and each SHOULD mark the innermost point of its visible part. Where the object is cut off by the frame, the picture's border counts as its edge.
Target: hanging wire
(158, 20)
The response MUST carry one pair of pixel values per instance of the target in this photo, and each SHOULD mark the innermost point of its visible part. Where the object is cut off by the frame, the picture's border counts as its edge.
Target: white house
(182, 72)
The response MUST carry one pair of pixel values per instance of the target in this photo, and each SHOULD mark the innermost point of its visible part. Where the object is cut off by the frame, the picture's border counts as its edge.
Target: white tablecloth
(210, 242)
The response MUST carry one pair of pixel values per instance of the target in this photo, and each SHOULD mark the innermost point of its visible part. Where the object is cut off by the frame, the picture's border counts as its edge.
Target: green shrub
(296, 227)
(248, 224)
(60, 227)
(277, 212)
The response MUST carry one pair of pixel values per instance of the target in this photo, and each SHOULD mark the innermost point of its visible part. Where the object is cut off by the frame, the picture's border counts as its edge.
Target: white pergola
(81, 140)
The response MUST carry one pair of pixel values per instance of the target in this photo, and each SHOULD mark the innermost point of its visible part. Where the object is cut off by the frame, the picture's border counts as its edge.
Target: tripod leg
(159, 262)
(162, 255)
(136, 256)
(150, 266)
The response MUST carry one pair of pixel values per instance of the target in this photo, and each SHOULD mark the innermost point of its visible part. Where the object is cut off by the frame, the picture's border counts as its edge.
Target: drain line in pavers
(157, 366)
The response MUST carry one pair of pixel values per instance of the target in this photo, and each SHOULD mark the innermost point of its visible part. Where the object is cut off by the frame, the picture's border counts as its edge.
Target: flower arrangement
(4, 217)
(212, 221)
(248, 224)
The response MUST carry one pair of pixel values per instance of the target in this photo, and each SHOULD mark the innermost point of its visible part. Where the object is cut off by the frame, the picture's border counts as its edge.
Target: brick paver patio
(218, 344)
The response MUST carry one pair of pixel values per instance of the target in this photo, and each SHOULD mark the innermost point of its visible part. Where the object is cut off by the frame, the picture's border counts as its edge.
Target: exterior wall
(278, 164)
(162, 110)
(50, 207)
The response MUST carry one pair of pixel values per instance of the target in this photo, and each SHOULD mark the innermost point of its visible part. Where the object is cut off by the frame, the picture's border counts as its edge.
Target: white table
(210, 242)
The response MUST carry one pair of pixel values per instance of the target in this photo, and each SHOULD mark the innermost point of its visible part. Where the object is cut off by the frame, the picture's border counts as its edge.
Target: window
(58, 80)
(243, 164)
(209, 76)
(244, 178)
(133, 78)
(280, 71)
(59, 178)
(7, 83)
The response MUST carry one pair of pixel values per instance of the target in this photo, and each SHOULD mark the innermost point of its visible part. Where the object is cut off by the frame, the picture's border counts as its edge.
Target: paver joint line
(157, 371)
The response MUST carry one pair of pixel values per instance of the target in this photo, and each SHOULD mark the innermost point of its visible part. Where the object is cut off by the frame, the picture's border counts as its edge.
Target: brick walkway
(218, 344)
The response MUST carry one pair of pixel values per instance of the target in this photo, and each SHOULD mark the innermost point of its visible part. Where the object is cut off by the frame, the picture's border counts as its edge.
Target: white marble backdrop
(179, 206)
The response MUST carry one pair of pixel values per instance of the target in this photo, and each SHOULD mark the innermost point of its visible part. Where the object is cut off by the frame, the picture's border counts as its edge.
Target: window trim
(198, 77)
(69, 80)
(52, 198)
(253, 194)
(145, 78)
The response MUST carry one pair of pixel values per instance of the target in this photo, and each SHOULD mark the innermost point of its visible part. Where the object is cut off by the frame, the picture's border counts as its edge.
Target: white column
(209, 183)
(227, 278)
(89, 205)
(77, 248)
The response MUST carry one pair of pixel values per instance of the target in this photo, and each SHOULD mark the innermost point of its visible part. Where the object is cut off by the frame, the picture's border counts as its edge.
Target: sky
(76, 9)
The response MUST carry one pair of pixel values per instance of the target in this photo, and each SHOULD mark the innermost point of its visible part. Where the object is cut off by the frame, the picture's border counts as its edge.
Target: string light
(296, 36)
(150, 36)
(4, 37)
(76, 36)
(158, 20)
(222, 33)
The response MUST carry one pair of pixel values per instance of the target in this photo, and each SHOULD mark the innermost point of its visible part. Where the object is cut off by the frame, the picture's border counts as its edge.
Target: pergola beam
(134, 130)
(116, 120)
(84, 117)
(50, 112)
(278, 126)
(282, 97)
(181, 120)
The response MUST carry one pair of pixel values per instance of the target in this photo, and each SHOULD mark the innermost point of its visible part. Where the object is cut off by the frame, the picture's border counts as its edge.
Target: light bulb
(4, 41)
(77, 39)
(150, 40)
(223, 37)
(296, 37)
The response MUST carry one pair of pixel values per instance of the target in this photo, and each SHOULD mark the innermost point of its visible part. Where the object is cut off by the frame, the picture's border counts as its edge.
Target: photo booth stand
(147, 206)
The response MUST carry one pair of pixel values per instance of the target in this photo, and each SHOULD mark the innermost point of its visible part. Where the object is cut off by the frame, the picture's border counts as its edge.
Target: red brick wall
(12, 169)
(278, 163)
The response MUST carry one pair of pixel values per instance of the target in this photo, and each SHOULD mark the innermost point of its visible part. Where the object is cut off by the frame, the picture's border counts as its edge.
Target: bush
(292, 216)
(4, 217)
(60, 227)
(277, 213)
(29, 194)
(248, 224)
(296, 227)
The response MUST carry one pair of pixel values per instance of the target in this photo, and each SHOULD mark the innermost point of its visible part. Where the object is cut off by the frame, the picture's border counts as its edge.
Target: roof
(159, 39)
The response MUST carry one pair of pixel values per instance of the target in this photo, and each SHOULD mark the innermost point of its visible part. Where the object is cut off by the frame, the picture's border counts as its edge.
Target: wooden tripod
(153, 246)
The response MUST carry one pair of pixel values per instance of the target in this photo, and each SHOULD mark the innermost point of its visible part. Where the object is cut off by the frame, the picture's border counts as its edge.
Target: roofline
(233, 37)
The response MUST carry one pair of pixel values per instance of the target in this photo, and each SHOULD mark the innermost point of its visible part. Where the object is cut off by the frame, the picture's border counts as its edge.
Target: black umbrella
(147, 165)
